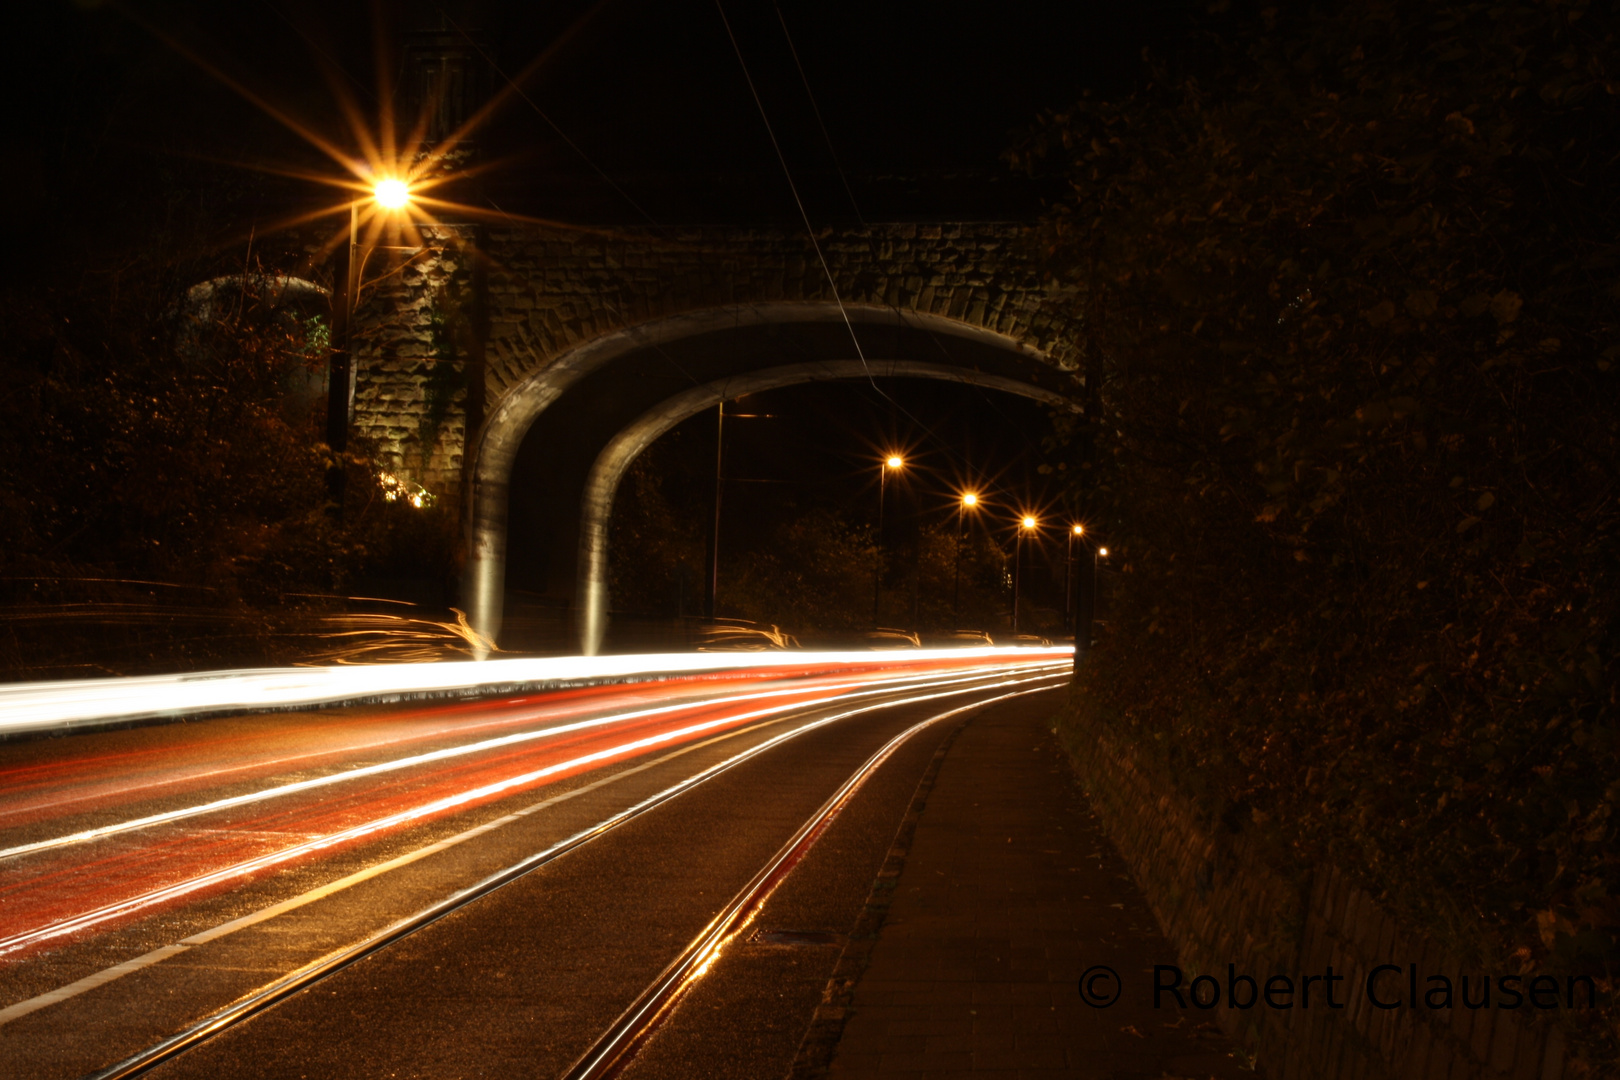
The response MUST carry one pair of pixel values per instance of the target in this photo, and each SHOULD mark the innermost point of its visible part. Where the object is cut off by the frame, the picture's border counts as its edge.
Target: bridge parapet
(550, 290)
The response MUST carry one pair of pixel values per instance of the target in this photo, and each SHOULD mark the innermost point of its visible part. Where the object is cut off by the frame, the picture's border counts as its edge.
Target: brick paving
(1009, 891)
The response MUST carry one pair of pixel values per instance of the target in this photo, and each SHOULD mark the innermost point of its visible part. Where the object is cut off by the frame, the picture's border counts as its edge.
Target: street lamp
(1068, 572)
(1027, 525)
(390, 195)
(1086, 611)
(893, 462)
(968, 501)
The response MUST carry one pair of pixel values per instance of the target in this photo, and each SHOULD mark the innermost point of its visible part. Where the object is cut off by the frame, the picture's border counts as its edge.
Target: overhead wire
(820, 122)
(927, 430)
(843, 178)
(804, 80)
(799, 202)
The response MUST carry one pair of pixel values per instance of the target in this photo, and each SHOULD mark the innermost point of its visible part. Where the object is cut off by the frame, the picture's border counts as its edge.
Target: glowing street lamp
(894, 463)
(1027, 525)
(967, 502)
(391, 194)
(1068, 572)
(1086, 610)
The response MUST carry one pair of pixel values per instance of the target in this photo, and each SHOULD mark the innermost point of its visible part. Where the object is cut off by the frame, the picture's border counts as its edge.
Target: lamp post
(1068, 573)
(967, 502)
(896, 463)
(1086, 609)
(390, 195)
(711, 597)
(1027, 525)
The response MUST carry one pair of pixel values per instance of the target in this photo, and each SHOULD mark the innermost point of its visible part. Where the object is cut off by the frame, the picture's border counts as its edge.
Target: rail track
(618, 1045)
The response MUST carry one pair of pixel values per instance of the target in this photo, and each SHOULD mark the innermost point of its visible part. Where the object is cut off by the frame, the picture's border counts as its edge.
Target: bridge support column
(485, 584)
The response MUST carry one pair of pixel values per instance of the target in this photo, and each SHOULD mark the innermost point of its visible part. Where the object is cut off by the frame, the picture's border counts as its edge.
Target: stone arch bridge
(520, 369)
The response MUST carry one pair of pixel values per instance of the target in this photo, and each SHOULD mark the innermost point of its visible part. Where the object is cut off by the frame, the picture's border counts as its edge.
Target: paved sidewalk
(1010, 891)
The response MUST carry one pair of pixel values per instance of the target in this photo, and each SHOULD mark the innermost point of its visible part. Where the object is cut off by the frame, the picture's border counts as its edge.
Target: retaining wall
(1220, 902)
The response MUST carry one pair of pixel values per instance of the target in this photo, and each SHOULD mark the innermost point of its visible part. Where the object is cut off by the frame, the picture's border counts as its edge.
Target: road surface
(649, 877)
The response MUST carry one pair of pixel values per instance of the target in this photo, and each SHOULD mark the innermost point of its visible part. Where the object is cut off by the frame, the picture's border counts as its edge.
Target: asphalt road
(115, 935)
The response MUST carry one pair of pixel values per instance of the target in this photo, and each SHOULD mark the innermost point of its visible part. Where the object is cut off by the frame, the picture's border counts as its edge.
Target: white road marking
(417, 759)
(101, 978)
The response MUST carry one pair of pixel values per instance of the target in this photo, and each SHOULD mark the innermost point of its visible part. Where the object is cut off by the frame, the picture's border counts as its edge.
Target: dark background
(919, 102)
(157, 143)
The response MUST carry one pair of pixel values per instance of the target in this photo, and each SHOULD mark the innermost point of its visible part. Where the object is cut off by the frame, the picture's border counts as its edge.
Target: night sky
(919, 100)
(129, 143)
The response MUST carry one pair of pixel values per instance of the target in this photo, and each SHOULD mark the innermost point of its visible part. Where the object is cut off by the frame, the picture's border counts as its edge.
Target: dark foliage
(1351, 294)
(149, 439)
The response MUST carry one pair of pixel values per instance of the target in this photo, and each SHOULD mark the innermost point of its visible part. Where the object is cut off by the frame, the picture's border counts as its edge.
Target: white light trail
(131, 905)
(49, 706)
(445, 753)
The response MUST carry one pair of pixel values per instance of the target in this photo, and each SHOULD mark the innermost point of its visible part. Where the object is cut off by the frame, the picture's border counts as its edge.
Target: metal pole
(956, 572)
(712, 601)
(1068, 580)
(1018, 566)
(877, 578)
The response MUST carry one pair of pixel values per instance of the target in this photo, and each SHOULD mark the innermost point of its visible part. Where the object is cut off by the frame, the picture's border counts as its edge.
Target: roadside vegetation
(1351, 282)
(164, 504)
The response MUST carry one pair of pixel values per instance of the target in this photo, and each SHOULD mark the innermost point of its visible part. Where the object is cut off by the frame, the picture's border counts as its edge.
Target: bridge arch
(565, 435)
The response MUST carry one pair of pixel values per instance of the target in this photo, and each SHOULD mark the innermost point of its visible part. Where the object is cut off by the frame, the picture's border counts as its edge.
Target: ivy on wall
(1351, 283)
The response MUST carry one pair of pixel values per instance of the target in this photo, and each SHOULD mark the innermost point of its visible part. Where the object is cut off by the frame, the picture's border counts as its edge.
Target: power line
(822, 124)
(854, 204)
(788, 173)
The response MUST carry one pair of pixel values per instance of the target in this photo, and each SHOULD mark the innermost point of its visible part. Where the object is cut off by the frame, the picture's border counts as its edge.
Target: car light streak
(64, 705)
(130, 774)
(71, 880)
(443, 754)
(157, 956)
(279, 990)
(133, 905)
(614, 1049)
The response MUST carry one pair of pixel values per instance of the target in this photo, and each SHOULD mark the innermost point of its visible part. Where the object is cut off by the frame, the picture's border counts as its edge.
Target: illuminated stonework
(550, 291)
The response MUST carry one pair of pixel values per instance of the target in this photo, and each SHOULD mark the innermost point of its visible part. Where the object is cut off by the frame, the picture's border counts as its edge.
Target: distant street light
(1027, 525)
(968, 501)
(893, 462)
(1086, 610)
(1068, 573)
(390, 195)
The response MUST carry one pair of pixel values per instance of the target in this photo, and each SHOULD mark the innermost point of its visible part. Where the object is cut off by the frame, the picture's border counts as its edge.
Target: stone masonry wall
(550, 290)
(410, 383)
(1221, 903)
